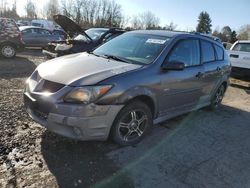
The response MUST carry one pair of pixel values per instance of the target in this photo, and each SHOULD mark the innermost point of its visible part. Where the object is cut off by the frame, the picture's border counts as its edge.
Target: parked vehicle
(239, 55)
(124, 86)
(37, 37)
(61, 33)
(10, 38)
(46, 24)
(84, 41)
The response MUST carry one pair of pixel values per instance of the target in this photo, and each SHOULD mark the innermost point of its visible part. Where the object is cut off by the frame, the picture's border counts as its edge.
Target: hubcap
(8, 51)
(133, 125)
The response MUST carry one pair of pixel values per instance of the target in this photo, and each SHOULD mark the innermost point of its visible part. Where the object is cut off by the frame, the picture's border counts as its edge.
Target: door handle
(234, 55)
(199, 75)
(218, 69)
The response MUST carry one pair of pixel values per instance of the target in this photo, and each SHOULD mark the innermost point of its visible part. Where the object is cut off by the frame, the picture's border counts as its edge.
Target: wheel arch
(142, 94)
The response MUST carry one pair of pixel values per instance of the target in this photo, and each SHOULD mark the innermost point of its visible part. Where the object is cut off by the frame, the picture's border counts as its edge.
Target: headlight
(86, 94)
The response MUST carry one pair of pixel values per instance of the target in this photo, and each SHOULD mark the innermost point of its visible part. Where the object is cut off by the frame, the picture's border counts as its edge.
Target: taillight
(21, 37)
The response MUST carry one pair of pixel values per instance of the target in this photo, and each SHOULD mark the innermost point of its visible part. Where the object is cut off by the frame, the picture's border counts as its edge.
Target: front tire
(132, 123)
(8, 51)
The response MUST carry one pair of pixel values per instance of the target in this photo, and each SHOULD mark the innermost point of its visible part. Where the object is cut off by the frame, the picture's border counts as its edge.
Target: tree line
(108, 13)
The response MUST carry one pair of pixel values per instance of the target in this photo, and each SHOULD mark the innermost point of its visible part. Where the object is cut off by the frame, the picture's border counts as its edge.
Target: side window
(35, 31)
(207, 52)
(186, 51)
(244, 47)
(219, 52)
(27, 31)
(44, 32)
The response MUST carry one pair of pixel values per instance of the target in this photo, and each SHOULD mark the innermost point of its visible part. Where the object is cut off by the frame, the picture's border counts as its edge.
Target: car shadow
(82, 164)
(196, 140)
(16, 67)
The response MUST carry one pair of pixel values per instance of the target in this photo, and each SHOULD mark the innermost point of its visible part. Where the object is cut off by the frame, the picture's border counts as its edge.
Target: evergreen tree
(233, 37)
(204, 23)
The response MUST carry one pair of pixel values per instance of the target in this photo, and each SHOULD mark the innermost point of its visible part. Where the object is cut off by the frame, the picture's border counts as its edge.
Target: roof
(2, 18)
(29, 27)
(160, 32)
(243, 41)
(176, 33)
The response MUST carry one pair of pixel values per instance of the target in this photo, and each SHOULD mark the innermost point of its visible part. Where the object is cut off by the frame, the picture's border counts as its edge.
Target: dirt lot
(199, 149)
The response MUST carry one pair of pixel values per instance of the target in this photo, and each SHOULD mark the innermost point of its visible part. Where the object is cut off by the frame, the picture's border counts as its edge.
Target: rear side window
(219, 52)
(207, 52)
(43, 32)
(244, 47)
(187, 52)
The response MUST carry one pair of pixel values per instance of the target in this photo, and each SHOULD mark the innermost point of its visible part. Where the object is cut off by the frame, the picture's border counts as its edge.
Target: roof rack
(208, 36)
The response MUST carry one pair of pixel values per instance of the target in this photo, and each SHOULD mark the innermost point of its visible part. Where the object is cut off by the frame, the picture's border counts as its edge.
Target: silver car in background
(37, 37)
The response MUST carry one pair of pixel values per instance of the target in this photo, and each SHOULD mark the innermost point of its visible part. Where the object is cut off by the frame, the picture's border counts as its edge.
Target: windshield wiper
(92, 53)
(117, 58)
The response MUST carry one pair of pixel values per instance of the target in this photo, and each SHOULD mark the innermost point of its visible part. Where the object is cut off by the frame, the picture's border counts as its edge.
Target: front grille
(43, 85)
(48, 86)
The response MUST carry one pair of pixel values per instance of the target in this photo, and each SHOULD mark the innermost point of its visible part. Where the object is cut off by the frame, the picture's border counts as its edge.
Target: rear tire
(8, 51)
(217, 98)
(132, 123)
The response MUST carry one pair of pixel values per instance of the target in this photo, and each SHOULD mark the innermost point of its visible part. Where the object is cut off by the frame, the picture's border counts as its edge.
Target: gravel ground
(199, 149)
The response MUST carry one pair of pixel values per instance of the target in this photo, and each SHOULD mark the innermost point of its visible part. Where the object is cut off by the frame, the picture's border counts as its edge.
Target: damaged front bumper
(76, 121)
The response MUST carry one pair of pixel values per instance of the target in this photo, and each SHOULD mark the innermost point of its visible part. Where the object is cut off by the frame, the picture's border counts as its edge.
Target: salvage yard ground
(199, 149)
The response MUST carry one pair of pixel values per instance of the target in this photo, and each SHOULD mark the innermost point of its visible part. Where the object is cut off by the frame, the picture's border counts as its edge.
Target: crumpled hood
(82, 69)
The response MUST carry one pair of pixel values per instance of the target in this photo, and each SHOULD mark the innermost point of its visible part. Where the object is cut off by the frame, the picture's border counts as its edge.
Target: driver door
(182, 90)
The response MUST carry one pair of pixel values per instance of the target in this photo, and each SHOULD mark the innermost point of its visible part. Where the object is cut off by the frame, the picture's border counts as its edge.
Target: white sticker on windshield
(156, 41)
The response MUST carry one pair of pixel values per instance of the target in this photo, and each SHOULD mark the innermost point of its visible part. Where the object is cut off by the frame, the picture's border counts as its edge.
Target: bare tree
(30, 9)
(51, 9)
(89, 13)
(149, 20)
(171, 26)
(146, 20)
(67, 8)
(244, 32)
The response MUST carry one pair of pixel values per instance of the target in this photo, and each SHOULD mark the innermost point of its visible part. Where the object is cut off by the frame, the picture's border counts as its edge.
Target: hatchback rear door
(212, 59)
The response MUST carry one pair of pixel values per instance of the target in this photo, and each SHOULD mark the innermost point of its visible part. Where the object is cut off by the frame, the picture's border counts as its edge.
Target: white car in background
(239, 55)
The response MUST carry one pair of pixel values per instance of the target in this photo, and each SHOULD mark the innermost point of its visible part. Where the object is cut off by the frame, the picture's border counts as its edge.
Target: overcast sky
(184, 13)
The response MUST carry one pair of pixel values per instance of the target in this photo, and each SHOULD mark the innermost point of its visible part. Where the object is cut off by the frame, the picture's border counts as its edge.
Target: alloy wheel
(132, 125)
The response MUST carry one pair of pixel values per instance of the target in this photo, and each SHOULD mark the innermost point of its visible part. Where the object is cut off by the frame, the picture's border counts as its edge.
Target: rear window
(244, 47)
(207, 51)
(219, 52)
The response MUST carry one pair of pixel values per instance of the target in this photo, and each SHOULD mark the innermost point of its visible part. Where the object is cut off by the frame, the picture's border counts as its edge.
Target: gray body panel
(83, 69)
(171, 92)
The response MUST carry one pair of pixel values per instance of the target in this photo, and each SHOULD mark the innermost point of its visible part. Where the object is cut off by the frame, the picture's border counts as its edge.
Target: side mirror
(173, 65)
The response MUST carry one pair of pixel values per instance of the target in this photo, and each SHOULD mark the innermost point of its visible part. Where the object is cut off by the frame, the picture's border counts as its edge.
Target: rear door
(45, 37)
(212, 59)
(181, 90)
(29, 37)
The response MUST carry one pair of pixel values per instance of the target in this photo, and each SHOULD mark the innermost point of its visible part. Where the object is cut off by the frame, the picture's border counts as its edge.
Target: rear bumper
(76, 121)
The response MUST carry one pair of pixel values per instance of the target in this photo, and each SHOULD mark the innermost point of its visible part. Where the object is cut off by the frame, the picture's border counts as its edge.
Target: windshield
(81, 37)
(140, 48)
(95, 34)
